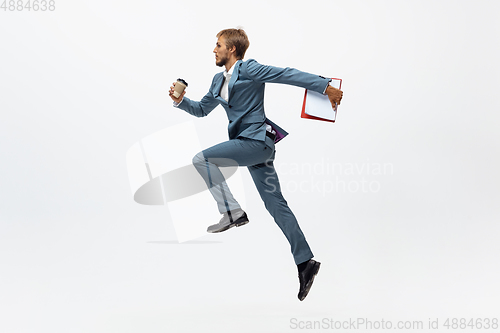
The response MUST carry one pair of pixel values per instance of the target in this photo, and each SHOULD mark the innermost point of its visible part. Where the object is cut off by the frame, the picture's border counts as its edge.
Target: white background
(81, 84)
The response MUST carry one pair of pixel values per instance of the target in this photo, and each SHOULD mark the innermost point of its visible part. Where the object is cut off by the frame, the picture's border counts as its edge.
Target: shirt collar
(230, 72)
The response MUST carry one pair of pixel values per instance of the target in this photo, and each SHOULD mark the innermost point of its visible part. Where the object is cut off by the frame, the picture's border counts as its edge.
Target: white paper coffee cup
(179, 87)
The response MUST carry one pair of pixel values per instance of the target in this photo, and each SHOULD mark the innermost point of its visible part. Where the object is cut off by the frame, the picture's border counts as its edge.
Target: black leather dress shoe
(306, 278)
(236, 218)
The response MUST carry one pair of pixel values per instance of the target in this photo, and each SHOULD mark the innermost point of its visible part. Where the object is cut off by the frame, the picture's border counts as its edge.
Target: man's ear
(233, 50)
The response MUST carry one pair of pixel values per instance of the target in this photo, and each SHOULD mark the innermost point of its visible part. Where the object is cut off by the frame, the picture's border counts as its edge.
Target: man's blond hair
(237, 38)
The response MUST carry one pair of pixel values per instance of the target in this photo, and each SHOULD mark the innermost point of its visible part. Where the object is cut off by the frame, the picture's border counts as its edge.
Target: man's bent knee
(198, 159)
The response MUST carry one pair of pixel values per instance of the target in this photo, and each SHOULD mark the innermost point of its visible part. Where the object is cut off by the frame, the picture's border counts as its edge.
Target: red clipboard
(307, 116)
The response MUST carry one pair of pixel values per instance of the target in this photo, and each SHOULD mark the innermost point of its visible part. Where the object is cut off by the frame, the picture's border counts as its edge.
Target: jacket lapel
(218, 87)
(234, 77)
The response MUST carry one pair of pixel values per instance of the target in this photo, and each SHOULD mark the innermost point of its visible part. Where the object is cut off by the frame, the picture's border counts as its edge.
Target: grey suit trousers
(258, 156)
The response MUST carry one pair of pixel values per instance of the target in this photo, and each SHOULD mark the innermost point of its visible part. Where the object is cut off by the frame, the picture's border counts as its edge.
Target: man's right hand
(171, 94)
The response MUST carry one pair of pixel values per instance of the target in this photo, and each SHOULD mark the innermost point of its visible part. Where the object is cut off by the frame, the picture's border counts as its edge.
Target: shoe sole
(309, 284)
(238, 223)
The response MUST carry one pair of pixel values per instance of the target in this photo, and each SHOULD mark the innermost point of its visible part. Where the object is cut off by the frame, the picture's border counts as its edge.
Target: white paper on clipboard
(318, 105)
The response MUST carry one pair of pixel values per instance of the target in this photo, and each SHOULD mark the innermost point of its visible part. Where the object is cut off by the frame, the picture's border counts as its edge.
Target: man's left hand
(334, 94)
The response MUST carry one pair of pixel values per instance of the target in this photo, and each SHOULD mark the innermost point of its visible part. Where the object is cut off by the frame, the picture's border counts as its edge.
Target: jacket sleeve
(201, 108)
(291, 76)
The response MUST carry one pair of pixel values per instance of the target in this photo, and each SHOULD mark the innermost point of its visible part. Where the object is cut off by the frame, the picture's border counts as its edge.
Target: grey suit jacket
(245, 106)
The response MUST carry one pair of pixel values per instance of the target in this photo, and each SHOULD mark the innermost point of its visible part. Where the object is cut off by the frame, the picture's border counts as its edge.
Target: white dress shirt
(224, 92)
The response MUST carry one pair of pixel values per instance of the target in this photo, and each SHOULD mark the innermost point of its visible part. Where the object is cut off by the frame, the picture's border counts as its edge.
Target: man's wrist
(327, 85)
(326, 88)
(177, 104)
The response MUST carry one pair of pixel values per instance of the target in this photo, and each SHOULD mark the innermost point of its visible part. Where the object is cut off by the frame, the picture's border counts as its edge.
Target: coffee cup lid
(183, 82)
